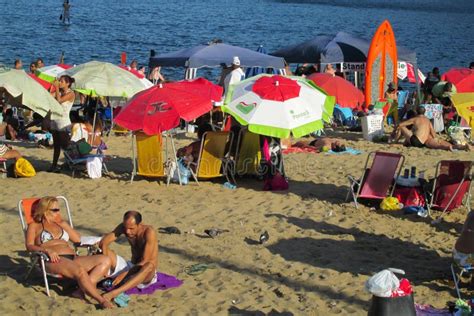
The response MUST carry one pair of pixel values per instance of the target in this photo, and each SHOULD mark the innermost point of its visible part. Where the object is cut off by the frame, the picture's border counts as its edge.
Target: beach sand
(320, 253)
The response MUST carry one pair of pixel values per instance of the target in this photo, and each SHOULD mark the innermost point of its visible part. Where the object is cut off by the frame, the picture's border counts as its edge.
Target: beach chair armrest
(353, 180)
(40, 255)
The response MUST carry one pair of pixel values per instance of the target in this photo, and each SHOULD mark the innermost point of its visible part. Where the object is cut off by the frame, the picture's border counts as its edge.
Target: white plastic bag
(384, 283)
(94, 167)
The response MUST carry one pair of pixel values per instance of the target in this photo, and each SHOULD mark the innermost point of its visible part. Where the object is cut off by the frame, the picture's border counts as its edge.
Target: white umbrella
(105, 79)
(29, 92)
(277, 106)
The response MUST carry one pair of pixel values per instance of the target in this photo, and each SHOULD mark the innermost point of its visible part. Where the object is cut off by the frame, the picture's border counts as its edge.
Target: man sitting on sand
(141, 271)
(463, 252)
(422, 133)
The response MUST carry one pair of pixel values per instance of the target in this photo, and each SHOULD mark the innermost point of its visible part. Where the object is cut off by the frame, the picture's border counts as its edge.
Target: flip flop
(122, 300)
(169, 230)
(198, 268)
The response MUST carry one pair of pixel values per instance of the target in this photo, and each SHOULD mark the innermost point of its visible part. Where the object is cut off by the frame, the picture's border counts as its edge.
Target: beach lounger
(214, 161)
(148, 156)
(37, 259)
(452, 183)
(248, 155)
(378, 180)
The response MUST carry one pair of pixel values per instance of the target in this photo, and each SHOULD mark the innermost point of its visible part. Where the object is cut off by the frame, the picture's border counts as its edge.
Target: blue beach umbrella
(253, 71)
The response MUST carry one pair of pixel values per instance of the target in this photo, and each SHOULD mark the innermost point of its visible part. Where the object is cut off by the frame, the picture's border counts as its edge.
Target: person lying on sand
(463, 252)
(49, 234)
(141, 271)
(422, 133)
(322, 144)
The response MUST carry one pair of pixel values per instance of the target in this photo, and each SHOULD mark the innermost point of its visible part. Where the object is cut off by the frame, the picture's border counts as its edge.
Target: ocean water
(440, 31)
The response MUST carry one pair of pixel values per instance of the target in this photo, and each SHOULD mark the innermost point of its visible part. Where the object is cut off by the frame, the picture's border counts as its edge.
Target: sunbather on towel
(463, 252)
(49, 234)
(422, 133)
(144, 245)
(322, 144)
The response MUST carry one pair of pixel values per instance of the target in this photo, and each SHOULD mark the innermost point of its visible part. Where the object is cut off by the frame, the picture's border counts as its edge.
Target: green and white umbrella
(52, 72)
(278, 106)
(105, 79)
(26, 91)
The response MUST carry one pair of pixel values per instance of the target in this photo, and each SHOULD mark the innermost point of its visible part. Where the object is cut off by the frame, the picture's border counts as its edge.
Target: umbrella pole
(93, 123)
(175, 159)
(417, 81)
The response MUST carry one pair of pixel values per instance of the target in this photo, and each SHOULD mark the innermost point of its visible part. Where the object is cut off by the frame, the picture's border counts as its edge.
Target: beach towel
(349, 151)
(163, 282)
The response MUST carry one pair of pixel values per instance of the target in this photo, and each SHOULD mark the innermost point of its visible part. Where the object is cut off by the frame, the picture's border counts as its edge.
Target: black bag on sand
(392, 306)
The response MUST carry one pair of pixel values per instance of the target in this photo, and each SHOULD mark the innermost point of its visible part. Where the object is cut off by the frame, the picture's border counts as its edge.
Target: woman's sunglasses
(54, 210)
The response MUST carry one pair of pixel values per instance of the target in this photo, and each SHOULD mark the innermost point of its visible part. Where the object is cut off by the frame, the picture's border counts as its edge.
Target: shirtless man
(141, 271)
(322, 144)
(422, 133)
(463, 252)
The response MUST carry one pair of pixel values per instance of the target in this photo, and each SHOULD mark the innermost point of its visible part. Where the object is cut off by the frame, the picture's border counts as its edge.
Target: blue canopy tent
(341, 48)
(213, 55)
(250, 72)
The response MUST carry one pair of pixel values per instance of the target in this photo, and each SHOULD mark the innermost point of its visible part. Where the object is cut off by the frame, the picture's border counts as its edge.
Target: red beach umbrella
(276, 88)
(160, 107)
(47, 85)
(462, 78)
(346, 94)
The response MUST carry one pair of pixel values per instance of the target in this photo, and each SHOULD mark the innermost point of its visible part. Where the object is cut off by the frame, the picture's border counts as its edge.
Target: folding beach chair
(452, 182)
(377, 180)
(248, 154)
(79, 163)
(459, 272)
(147, 157)
(37, 258)
(214, 161)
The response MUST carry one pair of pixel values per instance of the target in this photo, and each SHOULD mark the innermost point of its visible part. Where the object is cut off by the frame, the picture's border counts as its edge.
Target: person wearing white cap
(236, 75)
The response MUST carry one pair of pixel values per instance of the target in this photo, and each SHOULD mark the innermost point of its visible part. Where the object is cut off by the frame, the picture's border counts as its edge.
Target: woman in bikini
(49, 234)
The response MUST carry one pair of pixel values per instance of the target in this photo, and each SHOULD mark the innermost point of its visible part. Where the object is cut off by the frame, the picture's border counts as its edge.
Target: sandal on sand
(169, 230)
(198, 268)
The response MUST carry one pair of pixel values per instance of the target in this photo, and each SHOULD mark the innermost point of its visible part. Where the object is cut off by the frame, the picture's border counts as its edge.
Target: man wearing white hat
(236, 75)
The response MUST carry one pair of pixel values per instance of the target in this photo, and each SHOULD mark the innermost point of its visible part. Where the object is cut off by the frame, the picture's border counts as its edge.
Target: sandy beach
(320, 253)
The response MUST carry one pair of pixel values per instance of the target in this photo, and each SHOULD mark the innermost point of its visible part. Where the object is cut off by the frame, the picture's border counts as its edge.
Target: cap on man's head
(236, 61)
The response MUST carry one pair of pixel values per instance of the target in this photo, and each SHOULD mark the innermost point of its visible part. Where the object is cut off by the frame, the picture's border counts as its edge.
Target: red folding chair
(452, 182)
(378, 180)
(25, 210)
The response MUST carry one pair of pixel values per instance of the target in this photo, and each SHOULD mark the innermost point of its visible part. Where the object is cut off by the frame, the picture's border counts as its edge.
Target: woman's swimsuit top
(46, 236)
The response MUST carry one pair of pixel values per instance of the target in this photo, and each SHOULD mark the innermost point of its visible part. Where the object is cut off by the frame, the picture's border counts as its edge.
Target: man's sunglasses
(54, 210)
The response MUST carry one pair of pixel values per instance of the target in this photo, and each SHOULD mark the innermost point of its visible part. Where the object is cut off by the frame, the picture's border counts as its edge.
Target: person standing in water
(66, 16)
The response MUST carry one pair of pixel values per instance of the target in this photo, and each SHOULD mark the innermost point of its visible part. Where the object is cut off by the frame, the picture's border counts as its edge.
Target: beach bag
(179, 171)
(409, 196)
(390, 204)
(24, 169)
(277, 182)
(78, 149)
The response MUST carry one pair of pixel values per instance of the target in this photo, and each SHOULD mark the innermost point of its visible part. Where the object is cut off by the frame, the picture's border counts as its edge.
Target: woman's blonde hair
(42, 207)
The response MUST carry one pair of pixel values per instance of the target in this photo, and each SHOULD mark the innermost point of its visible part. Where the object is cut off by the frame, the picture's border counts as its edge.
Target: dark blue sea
(440, 31)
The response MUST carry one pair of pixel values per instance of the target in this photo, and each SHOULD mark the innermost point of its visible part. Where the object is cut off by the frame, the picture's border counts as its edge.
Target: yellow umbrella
(464, 103)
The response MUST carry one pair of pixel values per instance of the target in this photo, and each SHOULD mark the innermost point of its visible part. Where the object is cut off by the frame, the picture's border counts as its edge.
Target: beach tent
(250, 72)
(213, 55)
(337, 48)
(342, 48)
